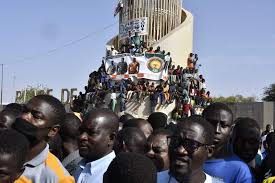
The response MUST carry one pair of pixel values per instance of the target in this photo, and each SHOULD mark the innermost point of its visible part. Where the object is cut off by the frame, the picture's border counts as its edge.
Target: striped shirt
(45, 168)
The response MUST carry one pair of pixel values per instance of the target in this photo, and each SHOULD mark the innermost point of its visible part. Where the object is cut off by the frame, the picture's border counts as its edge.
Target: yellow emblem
(155, 64)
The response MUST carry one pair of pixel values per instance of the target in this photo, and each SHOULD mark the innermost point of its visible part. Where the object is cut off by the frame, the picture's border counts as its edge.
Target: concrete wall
(269, 113)
(263, 112)
(142, 109)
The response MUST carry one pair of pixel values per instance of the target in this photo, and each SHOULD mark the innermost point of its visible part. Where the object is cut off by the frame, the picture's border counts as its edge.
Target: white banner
(139, 25)
(148, 66)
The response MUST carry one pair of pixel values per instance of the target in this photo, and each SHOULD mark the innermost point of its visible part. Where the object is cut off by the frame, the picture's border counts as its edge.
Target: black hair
(56, 105)
(158, 120)
(15, 144)
(269, 138)
(268, 125)
(244, 123)
(131, 167)
(217, 106)
(208, 130)
(69, 129)
(162, 131)
(133, 138)
(135, 122)
(14, 107)
(125, 118)
(15, 113)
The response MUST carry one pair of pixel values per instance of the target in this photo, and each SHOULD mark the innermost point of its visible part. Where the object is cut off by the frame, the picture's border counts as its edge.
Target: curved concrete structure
(179, 42)
(142, 109)
(162, 16)
(177, 39)
(170, 27)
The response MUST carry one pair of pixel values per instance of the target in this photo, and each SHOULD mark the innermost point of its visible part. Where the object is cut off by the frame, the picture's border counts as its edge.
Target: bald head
(140, 123)
(130, 140)
(105, 117)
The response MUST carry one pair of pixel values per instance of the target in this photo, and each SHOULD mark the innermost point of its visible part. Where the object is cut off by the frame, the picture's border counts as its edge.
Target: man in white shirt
(97, 136)
(189, 147)
(114, 52)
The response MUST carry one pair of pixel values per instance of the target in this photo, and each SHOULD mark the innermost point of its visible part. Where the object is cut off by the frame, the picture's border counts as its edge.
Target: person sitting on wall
(122, 100)
(159, 91)
(190, 64)
(170, 73)
(202, 84)
(158, 50)
(102, 76)
(132, 49)
(178, 73)
(112, 52)
(172, 92)
(139, 92)
(113, 100)
(166, 92)
(134, 67)
(130, 91)
(154, 101)
(146, 88)
(151, 50)
(168, 58)
(195, 60)
(143, 47)
(144, 91)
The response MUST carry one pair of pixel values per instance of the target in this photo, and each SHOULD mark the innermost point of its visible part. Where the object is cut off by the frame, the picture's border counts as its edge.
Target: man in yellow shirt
(269, 180)
(39, 122)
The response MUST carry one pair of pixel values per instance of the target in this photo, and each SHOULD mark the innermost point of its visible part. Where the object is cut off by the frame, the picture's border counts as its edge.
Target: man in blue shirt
(223, 164)
(97, 136)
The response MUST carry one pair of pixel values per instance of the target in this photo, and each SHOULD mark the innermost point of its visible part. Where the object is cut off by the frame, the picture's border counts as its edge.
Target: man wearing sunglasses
(39, 122)
(189, 147)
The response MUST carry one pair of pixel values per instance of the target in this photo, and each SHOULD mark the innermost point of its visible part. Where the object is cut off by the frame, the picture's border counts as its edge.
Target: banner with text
(139, 25)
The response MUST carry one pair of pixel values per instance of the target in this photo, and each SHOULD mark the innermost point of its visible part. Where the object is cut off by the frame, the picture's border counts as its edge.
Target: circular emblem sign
(155, 64)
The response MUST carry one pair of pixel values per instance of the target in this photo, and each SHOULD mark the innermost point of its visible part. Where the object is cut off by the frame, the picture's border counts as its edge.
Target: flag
(118, 8)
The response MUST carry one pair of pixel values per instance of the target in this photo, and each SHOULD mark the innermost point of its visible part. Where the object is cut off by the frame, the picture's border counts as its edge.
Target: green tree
(234, 99)
(29, 92)
(269, 93)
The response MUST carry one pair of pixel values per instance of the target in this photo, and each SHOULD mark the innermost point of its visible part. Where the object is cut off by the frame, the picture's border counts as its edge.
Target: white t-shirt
(164, 177)
(210, 179)
(114, 52)
(113, 96)
(167, 58)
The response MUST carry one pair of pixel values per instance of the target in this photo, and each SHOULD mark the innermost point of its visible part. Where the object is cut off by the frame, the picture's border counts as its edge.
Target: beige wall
(179, 42)
(268, 114)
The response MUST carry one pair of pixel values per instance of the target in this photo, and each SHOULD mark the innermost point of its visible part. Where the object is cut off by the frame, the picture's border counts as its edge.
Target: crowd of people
(184, 86)
(41, 143)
